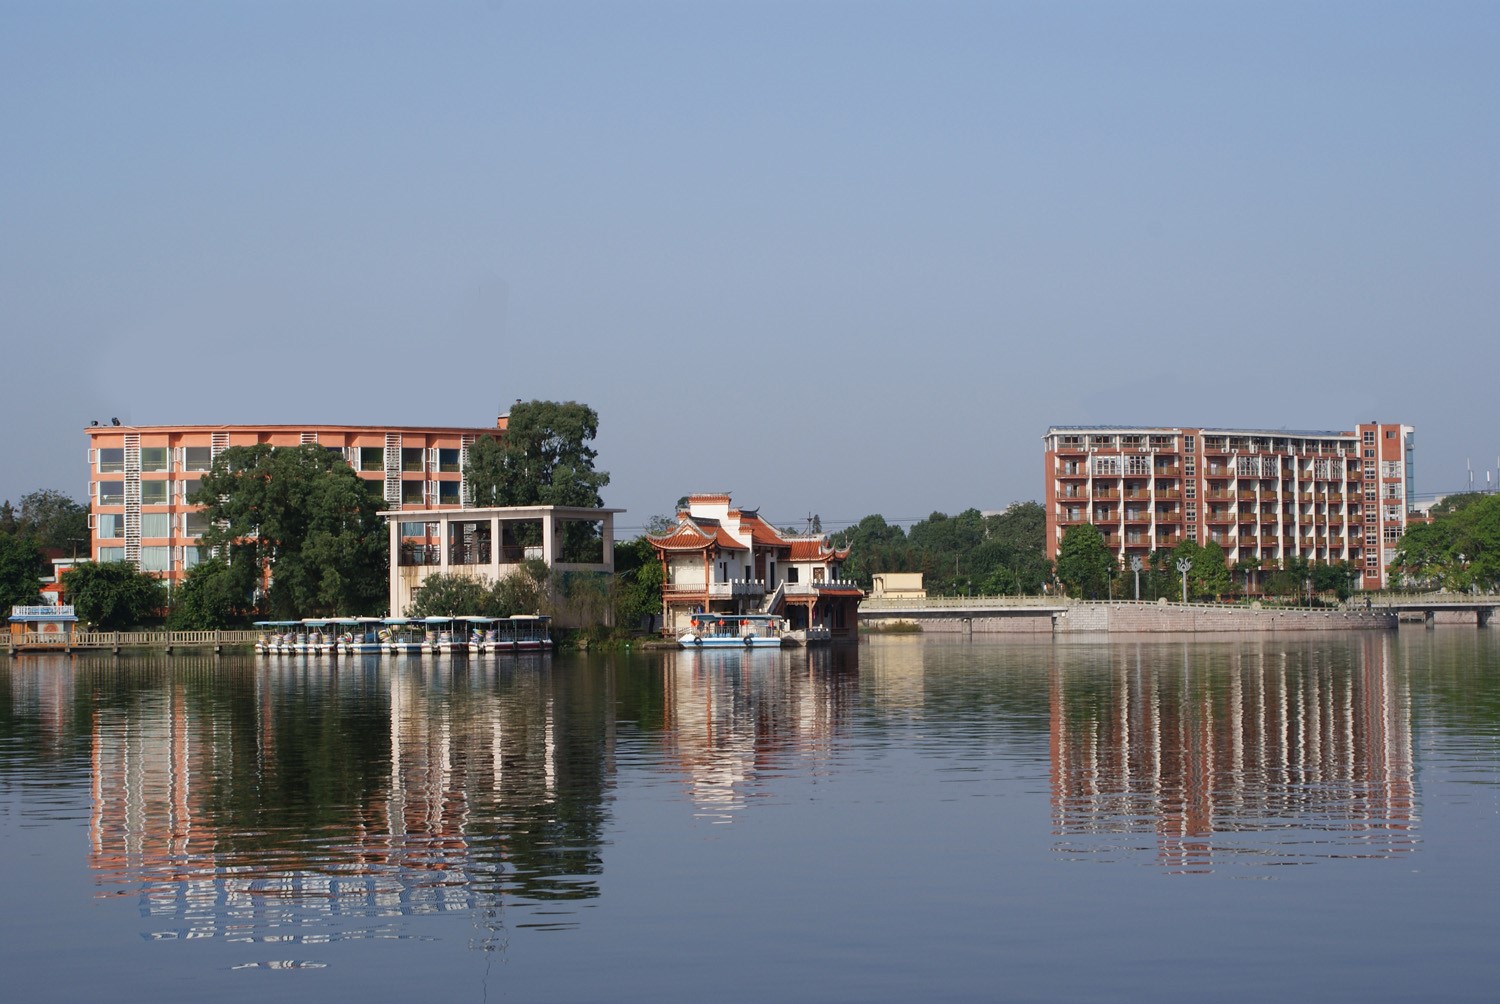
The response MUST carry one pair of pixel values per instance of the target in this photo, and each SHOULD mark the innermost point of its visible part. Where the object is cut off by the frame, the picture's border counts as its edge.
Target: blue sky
(839, 258)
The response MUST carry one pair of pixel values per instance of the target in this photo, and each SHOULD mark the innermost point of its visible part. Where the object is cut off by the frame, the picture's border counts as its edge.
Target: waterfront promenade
(1053, 615)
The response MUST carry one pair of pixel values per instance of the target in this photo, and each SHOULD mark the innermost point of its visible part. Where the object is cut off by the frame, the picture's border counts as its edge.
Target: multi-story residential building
(1266, 494)
(140, 478)
(721, 560)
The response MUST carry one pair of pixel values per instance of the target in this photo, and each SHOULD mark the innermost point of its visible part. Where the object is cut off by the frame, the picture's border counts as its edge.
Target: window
(153, 458)
(448, 461)
(195, 524)
(156, 559)
(1369, 453)
(372, 458)
(197, 458)
(111, 493)
(189, 488)
(191, 556)
(1189, 443)
(156, 524)
(791, 574)
(411, 493)
(1392, 534)
(107, 554)
(418, 530)
(411, 458)
(1390, 434)
(154, 492)
(448, 492)
(109, 526)
(111, 460)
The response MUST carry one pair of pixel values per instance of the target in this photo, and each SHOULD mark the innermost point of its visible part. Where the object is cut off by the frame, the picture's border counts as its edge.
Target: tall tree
(212, 596)
(115, 595)
(302, 519)
(55, 520)
(20, 571)
(544, 458)
(1084, 562)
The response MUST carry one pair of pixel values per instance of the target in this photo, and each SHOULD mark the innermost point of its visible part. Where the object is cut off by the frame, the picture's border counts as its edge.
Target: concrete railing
(1425, 599)
(950, 602)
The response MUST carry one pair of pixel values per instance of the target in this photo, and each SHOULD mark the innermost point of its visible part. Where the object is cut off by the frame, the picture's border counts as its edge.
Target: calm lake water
(913, 819)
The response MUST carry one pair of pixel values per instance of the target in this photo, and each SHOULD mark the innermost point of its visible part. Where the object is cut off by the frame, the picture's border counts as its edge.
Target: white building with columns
(487, 544)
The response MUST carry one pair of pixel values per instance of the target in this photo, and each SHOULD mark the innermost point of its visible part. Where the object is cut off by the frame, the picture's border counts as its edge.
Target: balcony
(812, 588)
(1167, 471)
(738, 587)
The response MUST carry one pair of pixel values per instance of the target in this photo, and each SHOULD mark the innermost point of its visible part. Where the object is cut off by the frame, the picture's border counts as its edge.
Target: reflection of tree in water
(1236, 750)
(236, 793)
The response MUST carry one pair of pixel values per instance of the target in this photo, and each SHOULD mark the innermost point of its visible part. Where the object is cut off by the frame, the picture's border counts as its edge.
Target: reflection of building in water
(1283, 747)
(232, 822)
(733, 716)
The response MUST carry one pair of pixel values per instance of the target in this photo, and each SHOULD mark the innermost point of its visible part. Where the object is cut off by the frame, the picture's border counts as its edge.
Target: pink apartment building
(140, 478)
(1266, 494)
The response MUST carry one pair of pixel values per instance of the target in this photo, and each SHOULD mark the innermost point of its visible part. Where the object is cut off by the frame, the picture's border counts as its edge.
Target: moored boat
(320, 636)
(734, 631)
(532, 632)
(402, 635)
(359, 634)
(446, 634)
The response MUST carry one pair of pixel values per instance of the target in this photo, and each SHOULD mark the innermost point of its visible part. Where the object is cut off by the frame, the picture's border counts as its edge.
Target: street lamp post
(1184, 565)
(1135, 566)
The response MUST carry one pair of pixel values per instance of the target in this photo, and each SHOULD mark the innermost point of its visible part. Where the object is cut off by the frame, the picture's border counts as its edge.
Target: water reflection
(378, 790)
(734, 720)
(287, 803)
(1279, 751)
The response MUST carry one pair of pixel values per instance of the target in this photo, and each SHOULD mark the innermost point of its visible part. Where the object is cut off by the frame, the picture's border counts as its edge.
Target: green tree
(20, 571)
(544, 458)
(1084, 562)
(451, 596)
(55, 521)
(874, 546)
(1459, 549)
(638, 581)
(114, 595)
(300, 518)
(213, 595)
(1209, 577)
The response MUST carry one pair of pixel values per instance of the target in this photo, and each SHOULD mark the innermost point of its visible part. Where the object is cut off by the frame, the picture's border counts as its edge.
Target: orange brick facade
(140, 478)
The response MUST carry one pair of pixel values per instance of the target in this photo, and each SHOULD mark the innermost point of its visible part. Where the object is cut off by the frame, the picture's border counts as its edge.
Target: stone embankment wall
(1127, 618)
(1028, 623)
(1193, 618)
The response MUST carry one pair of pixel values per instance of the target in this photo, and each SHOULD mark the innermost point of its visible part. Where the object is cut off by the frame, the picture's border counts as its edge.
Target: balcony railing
(736, 587)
